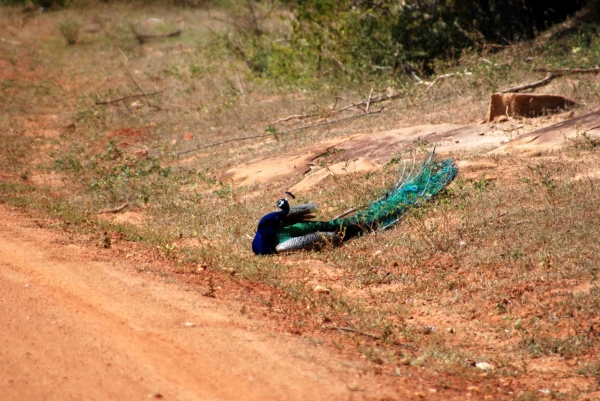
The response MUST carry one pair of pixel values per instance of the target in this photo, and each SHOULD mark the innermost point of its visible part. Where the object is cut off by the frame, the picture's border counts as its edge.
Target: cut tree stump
(526, 105)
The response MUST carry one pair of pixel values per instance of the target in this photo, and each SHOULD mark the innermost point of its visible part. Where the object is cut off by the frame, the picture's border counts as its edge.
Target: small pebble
(188, 324)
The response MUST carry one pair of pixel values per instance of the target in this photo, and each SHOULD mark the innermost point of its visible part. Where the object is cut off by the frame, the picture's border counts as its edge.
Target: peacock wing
(302, 212)
(309, 241)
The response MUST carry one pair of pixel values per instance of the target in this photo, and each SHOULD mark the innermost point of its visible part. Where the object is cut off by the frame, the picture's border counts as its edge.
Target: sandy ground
(79, 325)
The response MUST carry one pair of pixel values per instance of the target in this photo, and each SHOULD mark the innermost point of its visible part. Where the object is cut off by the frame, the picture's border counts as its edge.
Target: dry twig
(244, 138)
(373, 100)
(129, 97)
(369, 101)
(373, 336)
(550, 75)
(441, 77)
(298, 116)
(144, 94)
(346, 213)
(114, 210)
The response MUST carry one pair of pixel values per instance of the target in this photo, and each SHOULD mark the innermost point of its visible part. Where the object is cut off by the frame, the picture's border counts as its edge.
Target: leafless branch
(239, 82)
(352, 104)
(441, 77)
(244, 138)
(129, 97)
(369, 101)
(114, 210)
(568, 71)
(12, 42)
(550, 75)
(376, 99)
(298, 116)
(138, 86)
(346, 213)
(545, 81)
(336, 61)
(373, 336)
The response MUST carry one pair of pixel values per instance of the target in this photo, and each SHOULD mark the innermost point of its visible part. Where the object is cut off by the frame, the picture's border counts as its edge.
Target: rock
(427, 329)
(320, 289)
(484, 366)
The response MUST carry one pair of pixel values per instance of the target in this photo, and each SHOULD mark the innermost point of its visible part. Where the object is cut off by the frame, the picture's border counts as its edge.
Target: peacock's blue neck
(265, 240)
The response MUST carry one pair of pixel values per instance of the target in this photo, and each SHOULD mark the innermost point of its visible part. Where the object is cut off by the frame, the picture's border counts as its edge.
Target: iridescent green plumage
(414, 187)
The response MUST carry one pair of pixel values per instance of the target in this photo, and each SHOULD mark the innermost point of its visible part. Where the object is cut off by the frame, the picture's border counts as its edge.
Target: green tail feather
(412, 189)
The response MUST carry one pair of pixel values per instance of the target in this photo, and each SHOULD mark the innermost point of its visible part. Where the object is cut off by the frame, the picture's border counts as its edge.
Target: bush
(70, 30)
(356, 38)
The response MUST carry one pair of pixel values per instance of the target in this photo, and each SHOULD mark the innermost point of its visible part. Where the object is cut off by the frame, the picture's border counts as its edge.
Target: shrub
(70, 29)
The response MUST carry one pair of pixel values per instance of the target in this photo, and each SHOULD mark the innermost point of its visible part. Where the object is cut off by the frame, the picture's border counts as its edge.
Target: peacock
(292, 227)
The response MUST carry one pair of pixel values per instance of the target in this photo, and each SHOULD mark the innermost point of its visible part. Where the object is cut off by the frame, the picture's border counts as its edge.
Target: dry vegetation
(502, 268)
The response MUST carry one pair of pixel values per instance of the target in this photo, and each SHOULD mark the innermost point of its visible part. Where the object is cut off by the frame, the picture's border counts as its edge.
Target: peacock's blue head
(283, 205)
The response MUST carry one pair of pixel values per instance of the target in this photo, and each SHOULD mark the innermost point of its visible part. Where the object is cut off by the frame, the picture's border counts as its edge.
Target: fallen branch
(373, 336)
(298, 116)
(114, 210)
(369, 101)
(441, 77)
(129, 97)
(545, 81)
(352, 104)
(244, 138)
(568, 71)
(373, 100)
(550, 75)
(351, 330)
(12, 42)
(144, 94)
(346, 213)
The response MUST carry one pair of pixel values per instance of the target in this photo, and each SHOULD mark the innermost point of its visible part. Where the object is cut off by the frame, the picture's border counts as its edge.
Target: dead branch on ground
(441, 77)
(430, 84)
(121, 99)
(144, 94)
(346, 213)
(550, 75)
(12, 42)
(298, 116)
(244, 138)
(369, 101)
(114, 210)
(373, 336)
(363, 105)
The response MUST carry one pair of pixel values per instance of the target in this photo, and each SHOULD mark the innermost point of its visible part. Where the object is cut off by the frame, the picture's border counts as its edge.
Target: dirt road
(76, 324)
